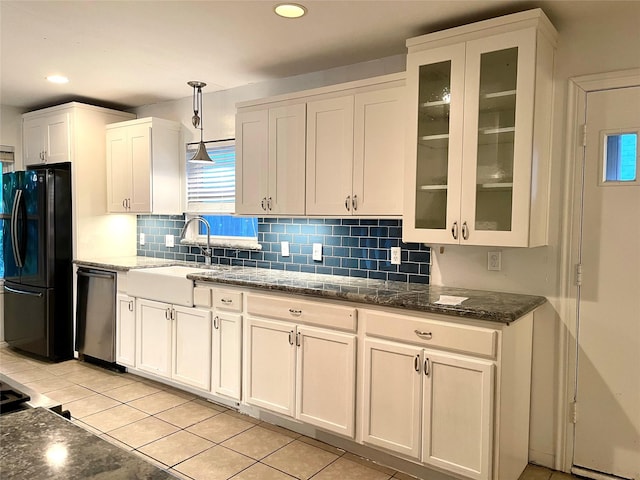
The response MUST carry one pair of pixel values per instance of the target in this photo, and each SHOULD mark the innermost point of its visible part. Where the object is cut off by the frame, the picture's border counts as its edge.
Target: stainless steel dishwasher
(96, 314)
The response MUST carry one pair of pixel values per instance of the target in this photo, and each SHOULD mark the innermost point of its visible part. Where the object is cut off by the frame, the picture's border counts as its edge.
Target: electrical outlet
(494, 261)
(142, 239)
(169, 241)
(284, 248)
(317, 252)
(395, 255)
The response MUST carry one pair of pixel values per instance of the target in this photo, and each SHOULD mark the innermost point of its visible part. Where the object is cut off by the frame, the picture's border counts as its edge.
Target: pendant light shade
(201, 154)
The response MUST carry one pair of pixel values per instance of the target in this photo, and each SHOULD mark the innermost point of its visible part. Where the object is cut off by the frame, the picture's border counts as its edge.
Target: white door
(378, 157)
(287, 128)
(58, 148)
(125, 330)
(153, 337)
(607, 431)
(458, 414)
(227, 354)
(33, 132)
(140, 151)
(271, 365)
(329, 156)
(326, 379)
(191, 347)
(118, 170)
(392, 396)
(252, 162)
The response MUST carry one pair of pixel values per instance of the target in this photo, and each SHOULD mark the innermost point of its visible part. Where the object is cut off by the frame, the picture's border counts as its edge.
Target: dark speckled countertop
(38, 444)
(480, 304)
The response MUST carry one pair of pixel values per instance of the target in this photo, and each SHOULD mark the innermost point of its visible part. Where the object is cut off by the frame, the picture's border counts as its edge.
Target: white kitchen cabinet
(270, 160)
(125, 330)
(355, 153)
(431, 406)
(47, 138)
(290, 367)
(143, 167)
(477, 169)
(174, 342)
(227, 354)
(451, 395)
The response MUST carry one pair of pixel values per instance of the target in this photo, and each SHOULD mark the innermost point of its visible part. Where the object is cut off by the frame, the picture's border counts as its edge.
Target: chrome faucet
(206, 251)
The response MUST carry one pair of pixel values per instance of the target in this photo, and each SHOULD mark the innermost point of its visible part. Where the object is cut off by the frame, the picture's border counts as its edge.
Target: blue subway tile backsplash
(350, 247)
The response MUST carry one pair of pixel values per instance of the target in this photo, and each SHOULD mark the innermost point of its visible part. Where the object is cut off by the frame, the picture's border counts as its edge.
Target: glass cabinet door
(497, 151)
(436, 78)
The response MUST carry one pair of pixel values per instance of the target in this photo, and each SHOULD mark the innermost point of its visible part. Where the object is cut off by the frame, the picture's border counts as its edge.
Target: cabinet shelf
(496, 186)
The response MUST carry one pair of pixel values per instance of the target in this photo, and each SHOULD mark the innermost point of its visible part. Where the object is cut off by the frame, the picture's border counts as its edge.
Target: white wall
(611, 42)
(11, 130)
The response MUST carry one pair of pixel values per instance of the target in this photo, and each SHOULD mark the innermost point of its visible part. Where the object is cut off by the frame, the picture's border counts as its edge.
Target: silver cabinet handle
(269, 202)
(166, 313)
(347, 203)
(465, 231)
(131, 305)
(454, 230)
(298, 339)
(354, 202)
(216, 322)
(226, 301)
(295, 313)
(124, 203)
(426, 367)
(416, 363)
(424, 335)
(291, 337)
(263, 203)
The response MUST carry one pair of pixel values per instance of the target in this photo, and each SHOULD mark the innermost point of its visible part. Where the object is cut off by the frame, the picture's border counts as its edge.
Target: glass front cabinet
(478, 142)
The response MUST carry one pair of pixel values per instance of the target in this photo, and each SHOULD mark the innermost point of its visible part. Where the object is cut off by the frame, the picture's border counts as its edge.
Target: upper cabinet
(47, 138)
(478, 143)
(270, 153)
(335, 150)
(143, 167)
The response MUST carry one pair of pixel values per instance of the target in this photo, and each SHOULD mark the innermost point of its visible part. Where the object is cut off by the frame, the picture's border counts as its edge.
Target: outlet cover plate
(142, 239)
(396, 255)
(169, 241)
(284, 248)
(494, 261)
(317, 252)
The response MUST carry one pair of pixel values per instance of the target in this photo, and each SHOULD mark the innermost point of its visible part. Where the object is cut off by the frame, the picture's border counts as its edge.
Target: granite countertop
(40, 445)
(479, 304)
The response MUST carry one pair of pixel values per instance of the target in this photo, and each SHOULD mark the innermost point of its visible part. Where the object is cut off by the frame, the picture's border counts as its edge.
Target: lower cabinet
(431, 406)
(227, 354)
(303, 372)
(125, 330)
(174, 342)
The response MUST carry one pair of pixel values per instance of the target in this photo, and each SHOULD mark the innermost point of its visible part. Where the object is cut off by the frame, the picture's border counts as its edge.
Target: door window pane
(621, 154)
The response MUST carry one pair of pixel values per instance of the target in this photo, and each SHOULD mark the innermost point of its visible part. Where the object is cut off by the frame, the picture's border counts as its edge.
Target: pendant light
(201, 154)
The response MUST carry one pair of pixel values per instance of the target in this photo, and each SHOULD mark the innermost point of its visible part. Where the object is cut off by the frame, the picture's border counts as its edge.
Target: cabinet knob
(347, 203)
(425, 335)
(131, 305)
(295, 313)
(298, 339)
(426, 367)
(454, 230)
(124, 203)
(416, 363)
(291, 337)
(216, 322)
(354, 202)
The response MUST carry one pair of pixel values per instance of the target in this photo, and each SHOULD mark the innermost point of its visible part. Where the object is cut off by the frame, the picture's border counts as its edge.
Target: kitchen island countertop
(491, 306)
(40, 445)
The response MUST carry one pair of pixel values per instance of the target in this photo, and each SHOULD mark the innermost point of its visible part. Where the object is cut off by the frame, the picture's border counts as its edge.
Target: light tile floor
(188, 436)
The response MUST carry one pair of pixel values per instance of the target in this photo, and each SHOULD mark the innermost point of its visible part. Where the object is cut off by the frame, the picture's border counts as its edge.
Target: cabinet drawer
(431, 333)
(227, 300)
(312, 313)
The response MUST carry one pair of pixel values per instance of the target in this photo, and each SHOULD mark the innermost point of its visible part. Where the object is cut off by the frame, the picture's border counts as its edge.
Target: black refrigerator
(37, 252)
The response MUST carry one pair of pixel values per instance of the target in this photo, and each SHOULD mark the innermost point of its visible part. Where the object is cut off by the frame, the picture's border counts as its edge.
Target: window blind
(211, 187)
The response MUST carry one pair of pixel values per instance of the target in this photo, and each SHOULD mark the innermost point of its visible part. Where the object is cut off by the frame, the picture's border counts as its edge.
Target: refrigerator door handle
(15, 246)
(22, 292)
(22, 253)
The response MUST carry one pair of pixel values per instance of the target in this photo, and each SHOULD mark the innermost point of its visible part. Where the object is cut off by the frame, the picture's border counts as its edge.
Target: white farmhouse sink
(164, 284)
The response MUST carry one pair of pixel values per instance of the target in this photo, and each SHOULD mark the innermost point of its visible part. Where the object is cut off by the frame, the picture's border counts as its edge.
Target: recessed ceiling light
(57, 79)
(290, 10)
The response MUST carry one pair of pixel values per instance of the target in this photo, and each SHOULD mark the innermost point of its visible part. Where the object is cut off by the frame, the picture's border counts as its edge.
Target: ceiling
(131, 53)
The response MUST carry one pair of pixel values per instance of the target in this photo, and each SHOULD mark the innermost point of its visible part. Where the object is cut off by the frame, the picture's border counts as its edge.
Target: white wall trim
(577, 90)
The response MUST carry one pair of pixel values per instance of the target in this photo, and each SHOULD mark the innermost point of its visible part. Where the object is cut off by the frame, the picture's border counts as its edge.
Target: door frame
(574, 153)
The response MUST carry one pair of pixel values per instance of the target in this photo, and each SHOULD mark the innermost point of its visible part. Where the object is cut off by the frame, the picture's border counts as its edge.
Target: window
(211, 194)
(212, 187)
(620, 157)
